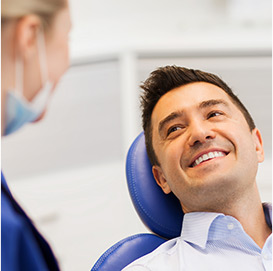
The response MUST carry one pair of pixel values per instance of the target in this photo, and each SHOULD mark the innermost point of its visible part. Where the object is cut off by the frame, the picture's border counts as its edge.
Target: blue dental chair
(161, 213)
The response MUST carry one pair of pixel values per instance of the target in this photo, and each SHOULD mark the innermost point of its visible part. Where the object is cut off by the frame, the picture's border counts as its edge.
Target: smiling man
(204, 147)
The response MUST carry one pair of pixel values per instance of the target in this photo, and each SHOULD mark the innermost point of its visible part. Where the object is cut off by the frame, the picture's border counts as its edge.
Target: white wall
(109, 25)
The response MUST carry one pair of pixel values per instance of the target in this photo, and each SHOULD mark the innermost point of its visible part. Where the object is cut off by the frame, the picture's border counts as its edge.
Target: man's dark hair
(168, 78)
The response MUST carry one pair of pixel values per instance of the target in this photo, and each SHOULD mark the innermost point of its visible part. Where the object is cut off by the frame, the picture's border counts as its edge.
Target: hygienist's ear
(160, 179)
(257, 137)
(26, 35)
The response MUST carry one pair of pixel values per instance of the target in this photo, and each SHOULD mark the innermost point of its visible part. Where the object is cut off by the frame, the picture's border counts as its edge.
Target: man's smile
(206, 156)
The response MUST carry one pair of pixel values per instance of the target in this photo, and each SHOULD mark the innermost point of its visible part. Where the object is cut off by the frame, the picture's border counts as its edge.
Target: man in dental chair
(204, 147)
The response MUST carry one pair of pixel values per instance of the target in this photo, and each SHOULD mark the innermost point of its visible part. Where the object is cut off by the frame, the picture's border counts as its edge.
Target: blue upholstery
(161, 213)
(126, 251)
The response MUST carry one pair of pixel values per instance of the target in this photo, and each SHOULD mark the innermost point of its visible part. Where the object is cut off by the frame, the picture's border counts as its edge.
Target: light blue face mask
(19, 111)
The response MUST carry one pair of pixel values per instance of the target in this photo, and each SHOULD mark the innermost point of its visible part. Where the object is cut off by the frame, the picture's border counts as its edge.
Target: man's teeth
(207, 156)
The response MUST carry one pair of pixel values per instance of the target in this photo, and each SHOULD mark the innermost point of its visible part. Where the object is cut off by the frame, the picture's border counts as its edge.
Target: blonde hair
(44, 9)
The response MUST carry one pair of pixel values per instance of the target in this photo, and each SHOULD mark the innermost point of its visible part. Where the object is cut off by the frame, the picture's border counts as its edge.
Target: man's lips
(207, 155)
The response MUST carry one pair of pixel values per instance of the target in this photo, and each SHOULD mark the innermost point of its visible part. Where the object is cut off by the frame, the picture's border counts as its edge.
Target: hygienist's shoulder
(14, 228)
(19, 248)
(157, 259)
(9, 218)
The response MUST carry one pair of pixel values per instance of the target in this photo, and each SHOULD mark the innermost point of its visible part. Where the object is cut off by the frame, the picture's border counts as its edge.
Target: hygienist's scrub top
(22, 246)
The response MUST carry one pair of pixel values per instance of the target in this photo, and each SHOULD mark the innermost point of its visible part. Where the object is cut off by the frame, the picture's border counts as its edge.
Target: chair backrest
(126, 251)
(161, 213)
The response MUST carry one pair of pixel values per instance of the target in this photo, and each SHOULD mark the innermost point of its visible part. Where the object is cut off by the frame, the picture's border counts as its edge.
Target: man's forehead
(193, 94)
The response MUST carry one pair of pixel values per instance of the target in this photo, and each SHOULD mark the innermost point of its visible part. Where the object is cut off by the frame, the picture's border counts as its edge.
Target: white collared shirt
(209, 242)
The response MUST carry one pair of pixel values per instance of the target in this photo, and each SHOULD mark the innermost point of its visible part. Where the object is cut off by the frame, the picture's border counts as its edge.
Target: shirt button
(230, 226)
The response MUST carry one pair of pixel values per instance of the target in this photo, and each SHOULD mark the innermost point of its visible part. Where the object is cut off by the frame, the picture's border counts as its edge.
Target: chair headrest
(161, 213)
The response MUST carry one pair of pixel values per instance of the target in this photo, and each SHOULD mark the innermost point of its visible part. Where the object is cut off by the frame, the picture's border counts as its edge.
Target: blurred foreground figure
(34, 40)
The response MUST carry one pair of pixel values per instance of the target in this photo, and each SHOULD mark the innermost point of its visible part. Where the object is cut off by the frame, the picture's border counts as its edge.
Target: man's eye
(173, 129)
(214, 114)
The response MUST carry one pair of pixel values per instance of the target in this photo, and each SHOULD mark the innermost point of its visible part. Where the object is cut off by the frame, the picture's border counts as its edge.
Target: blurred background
(68, 171)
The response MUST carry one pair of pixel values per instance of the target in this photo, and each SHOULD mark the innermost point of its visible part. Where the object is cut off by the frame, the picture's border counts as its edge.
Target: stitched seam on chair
(135, 195)
(108, 252)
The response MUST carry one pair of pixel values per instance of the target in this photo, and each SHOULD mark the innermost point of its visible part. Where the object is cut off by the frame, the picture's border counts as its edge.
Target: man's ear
(26, 35)
(160, 179)
(259, 144)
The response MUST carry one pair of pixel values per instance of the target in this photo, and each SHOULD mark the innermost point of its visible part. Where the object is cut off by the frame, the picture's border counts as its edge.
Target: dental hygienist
(34, 55)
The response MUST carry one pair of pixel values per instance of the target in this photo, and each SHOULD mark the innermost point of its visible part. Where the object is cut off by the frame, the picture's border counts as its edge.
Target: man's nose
(200, 132)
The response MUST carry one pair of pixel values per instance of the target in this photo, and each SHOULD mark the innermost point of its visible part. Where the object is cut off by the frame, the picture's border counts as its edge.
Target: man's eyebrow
(212, 102)
(178, 114)
(172, 116)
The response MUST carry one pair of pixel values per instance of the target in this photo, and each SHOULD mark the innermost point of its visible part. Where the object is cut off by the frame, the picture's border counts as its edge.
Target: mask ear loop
(42, 97)
(19, 75)
(42, 56)
(19, 66)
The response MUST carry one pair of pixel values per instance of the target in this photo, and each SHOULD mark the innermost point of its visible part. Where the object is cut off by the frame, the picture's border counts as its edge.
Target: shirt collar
(196, 226)
(199, 227)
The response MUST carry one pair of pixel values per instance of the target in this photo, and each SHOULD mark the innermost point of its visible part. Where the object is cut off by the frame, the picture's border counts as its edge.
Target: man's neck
(250, 213)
